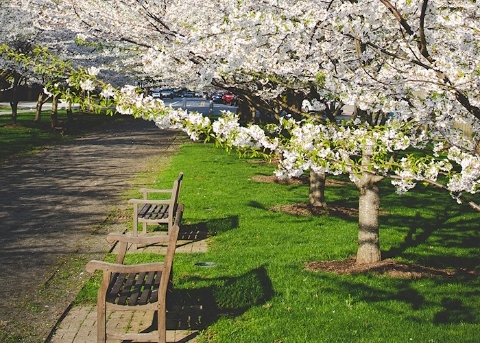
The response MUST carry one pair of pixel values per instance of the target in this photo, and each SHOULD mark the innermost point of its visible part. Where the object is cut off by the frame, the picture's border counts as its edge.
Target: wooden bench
(156, 212)
(135, 287)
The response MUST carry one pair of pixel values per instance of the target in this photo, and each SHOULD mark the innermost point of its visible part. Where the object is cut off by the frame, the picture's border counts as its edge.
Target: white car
(167, 93)
(155, 94)
(313, 106)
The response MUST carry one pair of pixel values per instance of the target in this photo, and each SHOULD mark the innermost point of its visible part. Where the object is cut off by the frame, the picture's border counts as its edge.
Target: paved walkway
(56, 208)
(80, 326)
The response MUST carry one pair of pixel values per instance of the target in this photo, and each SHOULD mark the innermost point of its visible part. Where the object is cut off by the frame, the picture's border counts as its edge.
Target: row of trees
(37, 56)
(409, 67)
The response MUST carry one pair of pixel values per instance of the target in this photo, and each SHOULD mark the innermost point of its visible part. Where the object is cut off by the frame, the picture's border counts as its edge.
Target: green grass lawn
(259, 290)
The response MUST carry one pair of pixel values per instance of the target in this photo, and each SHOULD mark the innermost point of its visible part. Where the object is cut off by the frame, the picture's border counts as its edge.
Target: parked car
(155, 94)
(312, 106)
(217, 97)
(185, 93)
(228, 98)
(167, 93)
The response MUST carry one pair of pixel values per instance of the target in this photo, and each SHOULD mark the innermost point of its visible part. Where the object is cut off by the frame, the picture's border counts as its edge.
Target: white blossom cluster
(424, 69)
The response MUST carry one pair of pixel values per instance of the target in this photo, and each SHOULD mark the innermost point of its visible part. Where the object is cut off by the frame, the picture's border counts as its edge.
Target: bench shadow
(191, 233)
(212, 227)
(196, 309)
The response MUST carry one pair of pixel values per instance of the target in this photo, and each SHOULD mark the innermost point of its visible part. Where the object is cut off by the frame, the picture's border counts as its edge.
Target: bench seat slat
(136, 289)
(115, 286)
(153, 212)
(150, 289)
(126, 290)
(156, 287)
(144, 209)
(150, 212)
(161, 212)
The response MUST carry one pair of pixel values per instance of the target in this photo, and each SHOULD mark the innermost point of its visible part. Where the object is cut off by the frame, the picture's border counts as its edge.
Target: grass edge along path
(258, 289)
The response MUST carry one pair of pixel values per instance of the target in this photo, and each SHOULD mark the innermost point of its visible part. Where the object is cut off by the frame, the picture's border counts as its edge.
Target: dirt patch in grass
(305, 209)
(14, 126)
(273, 179)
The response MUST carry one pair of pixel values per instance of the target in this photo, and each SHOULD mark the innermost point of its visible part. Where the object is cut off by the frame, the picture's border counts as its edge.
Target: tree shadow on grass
(450, 307)
(441, 231)
(420, 229)
(454, 311)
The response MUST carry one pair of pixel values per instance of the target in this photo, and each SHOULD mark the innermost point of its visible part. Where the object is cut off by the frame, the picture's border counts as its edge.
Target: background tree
(16, 75)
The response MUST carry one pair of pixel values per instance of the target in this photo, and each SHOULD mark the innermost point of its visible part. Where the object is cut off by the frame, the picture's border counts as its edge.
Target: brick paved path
(55, 210)
(80, 326)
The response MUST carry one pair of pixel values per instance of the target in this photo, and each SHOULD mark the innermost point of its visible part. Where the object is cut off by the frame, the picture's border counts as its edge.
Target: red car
(228, 98)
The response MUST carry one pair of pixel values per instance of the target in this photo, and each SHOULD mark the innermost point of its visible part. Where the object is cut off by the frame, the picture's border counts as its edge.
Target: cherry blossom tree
(67, 50)
(14, 74)
(409, 67)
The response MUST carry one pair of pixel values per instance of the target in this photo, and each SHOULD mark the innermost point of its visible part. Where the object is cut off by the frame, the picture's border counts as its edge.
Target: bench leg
(135, 224)
(101, 325)
(102, 311)
(162, 327)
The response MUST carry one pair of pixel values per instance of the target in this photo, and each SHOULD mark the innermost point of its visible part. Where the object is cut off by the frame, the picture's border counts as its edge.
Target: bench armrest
(119, 237)
(146, 201)
(152, 190)
(122, 268)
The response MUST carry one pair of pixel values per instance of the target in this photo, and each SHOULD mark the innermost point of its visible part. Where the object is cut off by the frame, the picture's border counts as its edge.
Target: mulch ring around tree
(305, 209)
(387, 267)
(302, 180)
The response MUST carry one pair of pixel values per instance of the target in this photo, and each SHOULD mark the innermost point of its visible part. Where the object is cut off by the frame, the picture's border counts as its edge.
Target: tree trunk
(14, 106)
(246, 111)
(316, 195)
(368, 229)
(294, 100)
(38, 109)
(368, 207)
(54, 113)
(14, 98)
(69, 126)
(69, 114)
